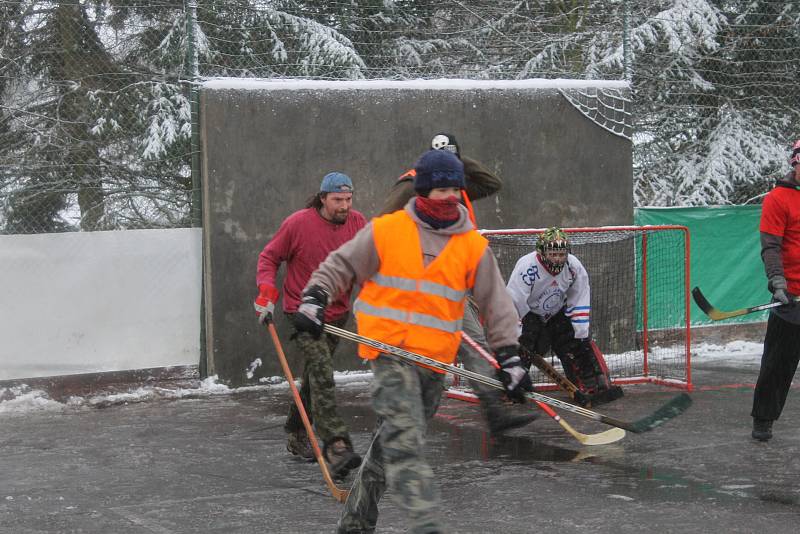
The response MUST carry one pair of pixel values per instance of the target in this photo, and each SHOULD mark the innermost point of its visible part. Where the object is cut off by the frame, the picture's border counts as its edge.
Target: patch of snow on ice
(21, 399)
(255, 364)
(211, 385)
(620, 497)
(744, 352)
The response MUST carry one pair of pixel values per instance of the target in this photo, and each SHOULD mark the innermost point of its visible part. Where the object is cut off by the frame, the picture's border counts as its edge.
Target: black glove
(777, 285)
(310, 316)
(512, 373)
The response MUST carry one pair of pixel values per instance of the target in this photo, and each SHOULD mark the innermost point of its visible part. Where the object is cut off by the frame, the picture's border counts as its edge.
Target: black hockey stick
(717, 315)
(672, 408)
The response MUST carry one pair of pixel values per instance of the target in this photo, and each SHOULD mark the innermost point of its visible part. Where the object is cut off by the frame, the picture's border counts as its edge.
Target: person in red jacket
(780, 252)
(303, 241)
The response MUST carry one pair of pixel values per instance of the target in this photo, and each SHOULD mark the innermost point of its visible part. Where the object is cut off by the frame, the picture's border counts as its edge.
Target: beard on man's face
(340, 215)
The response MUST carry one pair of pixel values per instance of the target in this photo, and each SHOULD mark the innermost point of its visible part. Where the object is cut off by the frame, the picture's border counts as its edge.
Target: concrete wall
(266, 146)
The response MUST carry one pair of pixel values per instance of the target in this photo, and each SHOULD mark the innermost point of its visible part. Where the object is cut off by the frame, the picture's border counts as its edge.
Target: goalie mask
(552, 247)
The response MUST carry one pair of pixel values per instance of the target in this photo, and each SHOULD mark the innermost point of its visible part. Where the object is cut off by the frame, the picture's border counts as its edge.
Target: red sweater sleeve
(275, 252)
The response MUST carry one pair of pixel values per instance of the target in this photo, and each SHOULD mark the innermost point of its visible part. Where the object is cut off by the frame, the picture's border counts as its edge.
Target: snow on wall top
(440, 84)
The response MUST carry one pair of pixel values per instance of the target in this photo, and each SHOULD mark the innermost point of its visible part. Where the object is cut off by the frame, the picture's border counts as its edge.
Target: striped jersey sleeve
(579, 306)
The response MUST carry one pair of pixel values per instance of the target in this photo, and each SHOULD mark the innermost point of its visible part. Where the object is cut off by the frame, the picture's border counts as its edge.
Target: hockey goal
(639, 279)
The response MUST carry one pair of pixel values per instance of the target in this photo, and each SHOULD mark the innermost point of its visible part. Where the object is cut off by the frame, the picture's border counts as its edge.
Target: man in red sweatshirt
(303, 241)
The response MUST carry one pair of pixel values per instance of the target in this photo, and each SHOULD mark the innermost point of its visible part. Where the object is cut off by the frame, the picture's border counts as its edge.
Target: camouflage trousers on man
(405, 397)
(317, 388)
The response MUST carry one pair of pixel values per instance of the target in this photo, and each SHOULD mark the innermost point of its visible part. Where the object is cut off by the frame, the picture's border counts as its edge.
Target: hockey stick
(561, 381)
(717, 315)
(338, 493)
(609, 394)
(603, 438)
(672, 408)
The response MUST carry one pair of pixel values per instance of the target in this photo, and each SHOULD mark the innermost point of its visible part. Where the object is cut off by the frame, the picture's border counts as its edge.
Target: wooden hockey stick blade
(717, 315)
(338, 493)
(671, 409)
(611, 435)
(602, 438)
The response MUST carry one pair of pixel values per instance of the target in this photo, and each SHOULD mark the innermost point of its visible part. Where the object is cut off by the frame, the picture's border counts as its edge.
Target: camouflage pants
(491, 398)
(405, 397)
(317, 388)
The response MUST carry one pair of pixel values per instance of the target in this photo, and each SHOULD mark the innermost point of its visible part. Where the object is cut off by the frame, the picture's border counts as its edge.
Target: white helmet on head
(446, 141)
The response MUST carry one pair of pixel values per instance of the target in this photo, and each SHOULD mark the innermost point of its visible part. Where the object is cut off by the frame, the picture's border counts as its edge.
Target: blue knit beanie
(436, 169)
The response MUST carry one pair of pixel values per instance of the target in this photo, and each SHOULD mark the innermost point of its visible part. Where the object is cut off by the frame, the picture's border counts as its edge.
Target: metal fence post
(193, 75)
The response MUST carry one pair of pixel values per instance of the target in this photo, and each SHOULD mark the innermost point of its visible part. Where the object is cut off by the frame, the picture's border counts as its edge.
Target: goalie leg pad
(579, 360)
(565, 346)
(595, 378)
(606, 395)
(535, 336)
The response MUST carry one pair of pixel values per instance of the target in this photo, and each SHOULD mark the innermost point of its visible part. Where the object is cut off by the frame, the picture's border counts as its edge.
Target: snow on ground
(23, 399)
(745, 353)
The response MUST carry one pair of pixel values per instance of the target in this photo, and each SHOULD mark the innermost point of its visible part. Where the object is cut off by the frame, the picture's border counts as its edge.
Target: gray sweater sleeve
(771, 250)
(495, 304)
(351, 264)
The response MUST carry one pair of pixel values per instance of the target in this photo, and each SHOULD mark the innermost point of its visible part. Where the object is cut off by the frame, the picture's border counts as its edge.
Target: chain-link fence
(98, 127)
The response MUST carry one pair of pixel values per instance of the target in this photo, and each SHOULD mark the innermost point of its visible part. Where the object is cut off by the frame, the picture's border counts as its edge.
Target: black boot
(338, 452)
(299, 445)
(762, 429)
(501, 420)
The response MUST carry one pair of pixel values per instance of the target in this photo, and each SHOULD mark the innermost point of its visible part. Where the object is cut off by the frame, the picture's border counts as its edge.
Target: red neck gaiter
(439, 213)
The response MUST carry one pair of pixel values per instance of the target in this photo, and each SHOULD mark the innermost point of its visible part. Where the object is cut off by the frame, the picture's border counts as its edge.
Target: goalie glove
(512, 373)
(310, 316)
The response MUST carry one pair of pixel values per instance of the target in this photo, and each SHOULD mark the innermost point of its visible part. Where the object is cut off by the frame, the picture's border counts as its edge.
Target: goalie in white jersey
(550, 289)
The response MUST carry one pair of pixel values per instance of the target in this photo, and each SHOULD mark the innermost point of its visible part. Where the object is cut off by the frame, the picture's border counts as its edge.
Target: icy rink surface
(206, 458)
(23, 399)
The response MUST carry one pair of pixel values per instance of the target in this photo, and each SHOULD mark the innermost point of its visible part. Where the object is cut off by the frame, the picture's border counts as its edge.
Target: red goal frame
(649, 369)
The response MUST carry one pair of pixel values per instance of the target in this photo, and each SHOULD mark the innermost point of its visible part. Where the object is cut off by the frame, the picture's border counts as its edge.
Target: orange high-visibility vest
(408, 305)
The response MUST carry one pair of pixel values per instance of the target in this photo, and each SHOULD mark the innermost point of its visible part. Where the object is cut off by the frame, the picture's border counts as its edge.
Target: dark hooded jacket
(480, 181)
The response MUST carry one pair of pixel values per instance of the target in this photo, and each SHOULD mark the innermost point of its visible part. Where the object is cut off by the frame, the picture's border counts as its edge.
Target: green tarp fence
(725, 255)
